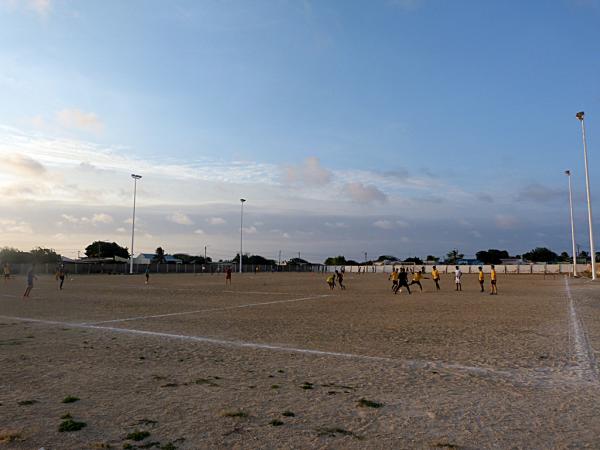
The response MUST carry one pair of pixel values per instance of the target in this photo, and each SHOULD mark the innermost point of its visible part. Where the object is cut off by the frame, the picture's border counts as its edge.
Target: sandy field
(280, 361)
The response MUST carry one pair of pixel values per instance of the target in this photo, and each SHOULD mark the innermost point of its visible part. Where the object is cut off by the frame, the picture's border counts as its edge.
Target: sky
(397, 127)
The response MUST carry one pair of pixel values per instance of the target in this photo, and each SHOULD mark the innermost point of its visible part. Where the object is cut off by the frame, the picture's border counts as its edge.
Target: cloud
(536, 192)
(102, 218)
(121, 230)
(250, 230)
(96, 219)
(309, 173)
(80, 120)
(198, 231)
(216, 221)
(364, 193)
(42, 7)
(15, 226)
(383, 224)
(180, 218)
(336, 225)
(505, 221)
(23, 165)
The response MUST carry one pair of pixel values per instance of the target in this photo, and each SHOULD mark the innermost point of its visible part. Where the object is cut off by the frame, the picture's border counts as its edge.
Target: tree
(432, 258)
(541, 254)
(491, 256)
(564, 257)
(386, 258)
(452, 256)
(159, 255)
(102, 249)
(254, 259)
(14, 256)
(414, 259)
(41, 255)
(335, 261)
(297, 261)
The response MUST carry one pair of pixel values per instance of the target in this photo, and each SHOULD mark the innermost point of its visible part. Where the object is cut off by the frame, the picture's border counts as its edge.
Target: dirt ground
(280, 361)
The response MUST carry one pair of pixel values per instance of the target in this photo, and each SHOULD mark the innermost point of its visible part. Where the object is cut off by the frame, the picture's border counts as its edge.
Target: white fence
(529, 269)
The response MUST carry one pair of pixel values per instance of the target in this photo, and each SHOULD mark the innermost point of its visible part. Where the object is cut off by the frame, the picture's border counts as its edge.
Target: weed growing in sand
(206, 382)
(274, 386)
(288, 414)
(149, 445)
(127, 446)
(6, 437)
(66, 416)
(27, 402)
(281, 371)
(235, 414)
(307, 385)
(168, 446)
(445, 445)
(363, 402)
(170, 385)
(276, 422)
(147, 422)
(334, 431)
(137, 435)
(71, 425)
(70, 399)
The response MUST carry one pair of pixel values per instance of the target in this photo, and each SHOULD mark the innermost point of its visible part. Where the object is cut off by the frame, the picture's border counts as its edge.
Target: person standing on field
(457, 277)
(402, 281)
(147, 274)
(30, 277)
(228, 276)
(481, 278)
(493, 277)
(435, 275)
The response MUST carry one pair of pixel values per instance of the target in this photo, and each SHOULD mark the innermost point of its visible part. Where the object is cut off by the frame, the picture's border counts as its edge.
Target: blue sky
(393, 126)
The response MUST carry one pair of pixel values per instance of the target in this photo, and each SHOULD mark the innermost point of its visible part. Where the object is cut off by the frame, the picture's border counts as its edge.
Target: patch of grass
(168, 446)
(10, 342)
(8, 436)
(334, 431)
(276, 422)
(363, 402)
(170, 385)
(235, 414)
(158, 377)
(281, 371)
(137, 435)
(332, 392)
(445, 445)
(274, 386)
(142, 357)
(70, 399)
(149, 445)
(307, 385)
(206, 382)
(147, 422)
(27, 402)
(288, 414)
(71, 425)
(66, 416)
(127, 446)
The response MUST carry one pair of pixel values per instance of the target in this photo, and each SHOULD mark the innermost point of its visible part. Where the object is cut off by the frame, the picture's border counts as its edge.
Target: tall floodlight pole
(580, 115)
(135, 178)
(242, 200)
(568, 174)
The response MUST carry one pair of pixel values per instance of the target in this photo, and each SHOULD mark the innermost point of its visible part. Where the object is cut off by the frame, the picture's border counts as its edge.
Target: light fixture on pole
(579, 116)
(135, 178)
(242, 200)
(568, 174)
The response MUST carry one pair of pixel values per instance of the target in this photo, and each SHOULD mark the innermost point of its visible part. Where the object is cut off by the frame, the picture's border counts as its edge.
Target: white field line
(257, 292)
(408, 364)
(9, 295)
(248, 305)
(583, 351)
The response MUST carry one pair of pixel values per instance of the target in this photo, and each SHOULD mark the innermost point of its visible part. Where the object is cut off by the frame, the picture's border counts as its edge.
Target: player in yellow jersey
(481, 278)
(493, 278)
(435, 275)
(331, 281)
(394, 277)
(416, 279)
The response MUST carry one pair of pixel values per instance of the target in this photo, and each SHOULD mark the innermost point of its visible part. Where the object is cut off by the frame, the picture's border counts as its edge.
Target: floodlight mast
(568, 174)
(135, 178)
(580, 116)
(242, 200)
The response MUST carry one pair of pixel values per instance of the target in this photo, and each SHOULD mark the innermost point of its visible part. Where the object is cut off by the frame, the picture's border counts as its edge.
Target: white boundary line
(257, 292)
(408, 364)
(581, 346)
(248, 305)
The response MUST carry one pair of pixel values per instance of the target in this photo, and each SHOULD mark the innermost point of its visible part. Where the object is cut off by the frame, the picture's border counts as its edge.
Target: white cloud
(80, 120)
(402, 223)
(23, 165)
(250, 230)
(336, 225)
(383, 224)
(364, 193)
(216, 221)
(101, 218)
(286, 235)
(69, 218)
(15, 226)
(199, 231)
(310, 173)
(180, 218)
(121, 230)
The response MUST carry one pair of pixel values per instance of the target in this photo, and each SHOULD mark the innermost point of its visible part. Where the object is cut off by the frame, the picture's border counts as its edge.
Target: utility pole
(365, 257)
(279, 257)
(298, 255)
(205, 254)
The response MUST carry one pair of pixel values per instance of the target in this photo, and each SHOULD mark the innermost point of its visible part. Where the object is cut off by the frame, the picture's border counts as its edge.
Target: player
(402, 281)
(481, 278)
(394, 277)
(331, 281)
(147, 274)
(6, 272)
(416, 279)
(228, 276)
(457, 277)
(340, 279)
(61, 277)
(493, 277)
(435, 276)
(30, 277)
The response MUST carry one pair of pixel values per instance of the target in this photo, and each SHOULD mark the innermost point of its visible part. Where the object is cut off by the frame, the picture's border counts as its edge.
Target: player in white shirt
(457, 276)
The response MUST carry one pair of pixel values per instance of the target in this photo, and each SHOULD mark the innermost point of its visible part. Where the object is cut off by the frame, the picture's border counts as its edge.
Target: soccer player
(228, 276)
(30, 277)
(481, 278)
(394, 277)
(331, 281)
(457, 277)
(493, 276)
(402, 281)
(147, 274)
(6, 272)
(435, 275)
(340, 278)
(61, 277)
(416, 279)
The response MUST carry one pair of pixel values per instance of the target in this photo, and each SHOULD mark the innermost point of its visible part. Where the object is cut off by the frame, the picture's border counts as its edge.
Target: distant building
(512, 261)
(468, 262)
(147, 258)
